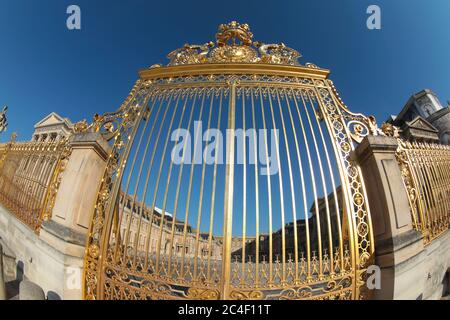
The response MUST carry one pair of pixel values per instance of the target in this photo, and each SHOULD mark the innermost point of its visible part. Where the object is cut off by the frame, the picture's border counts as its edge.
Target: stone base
(47, 260)
(9, 262)
(436, 265)
(418, 274)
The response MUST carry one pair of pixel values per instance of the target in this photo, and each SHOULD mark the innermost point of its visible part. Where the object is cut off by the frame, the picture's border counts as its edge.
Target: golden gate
(227, 231)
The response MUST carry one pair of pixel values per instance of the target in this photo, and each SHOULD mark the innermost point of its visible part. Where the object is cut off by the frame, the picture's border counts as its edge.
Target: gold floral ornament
(390, 130)
(98, 121)
(234, 44)
(94, 251)
(81, 126)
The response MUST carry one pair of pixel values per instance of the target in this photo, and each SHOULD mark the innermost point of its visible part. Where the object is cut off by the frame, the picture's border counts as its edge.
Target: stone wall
(46, 260)
(441, 120)
(54, 258)
(436, 266)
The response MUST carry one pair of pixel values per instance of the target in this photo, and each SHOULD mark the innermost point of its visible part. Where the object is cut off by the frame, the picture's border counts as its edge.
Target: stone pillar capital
(375, 145)
(90, 140)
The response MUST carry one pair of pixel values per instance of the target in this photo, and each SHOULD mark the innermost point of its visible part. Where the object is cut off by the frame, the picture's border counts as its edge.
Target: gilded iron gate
(425, 171)
(230, 178)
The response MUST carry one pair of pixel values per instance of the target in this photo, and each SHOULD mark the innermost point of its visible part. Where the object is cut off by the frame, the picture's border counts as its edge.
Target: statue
(3, 121)
(190, 54)
(278, 54)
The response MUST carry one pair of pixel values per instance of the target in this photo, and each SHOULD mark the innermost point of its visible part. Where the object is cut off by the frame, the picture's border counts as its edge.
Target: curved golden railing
(426, 175)
(29, 179)
(182, 213)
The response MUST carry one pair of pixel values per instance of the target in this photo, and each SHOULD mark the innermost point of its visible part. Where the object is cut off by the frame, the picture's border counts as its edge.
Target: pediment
(422, 124)
(51, 120)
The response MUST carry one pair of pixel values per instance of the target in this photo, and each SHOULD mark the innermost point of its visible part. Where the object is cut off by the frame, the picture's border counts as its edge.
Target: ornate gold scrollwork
(234, 44)
(203, 294)
(278, 54)
(233, 54)
(190, 54)
(53, 188)
(246, 295)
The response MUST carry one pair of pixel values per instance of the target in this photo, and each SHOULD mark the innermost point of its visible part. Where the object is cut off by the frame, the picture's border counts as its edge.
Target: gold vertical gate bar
(229, 188)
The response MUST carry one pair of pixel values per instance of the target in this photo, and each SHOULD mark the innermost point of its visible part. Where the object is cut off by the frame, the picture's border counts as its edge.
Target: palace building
(424, 118)
(52, 128)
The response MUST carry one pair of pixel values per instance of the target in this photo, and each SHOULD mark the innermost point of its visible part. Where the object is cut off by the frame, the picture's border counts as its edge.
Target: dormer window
(428, 110)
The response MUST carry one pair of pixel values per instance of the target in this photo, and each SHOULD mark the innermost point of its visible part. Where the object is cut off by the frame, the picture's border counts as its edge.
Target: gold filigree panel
(30, 175)
(425, 175)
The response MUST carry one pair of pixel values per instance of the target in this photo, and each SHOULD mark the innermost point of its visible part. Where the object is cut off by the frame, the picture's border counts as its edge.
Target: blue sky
(45, 67)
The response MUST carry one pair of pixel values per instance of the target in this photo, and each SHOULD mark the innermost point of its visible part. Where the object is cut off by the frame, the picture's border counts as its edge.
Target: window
(446, 138)
(428, 110)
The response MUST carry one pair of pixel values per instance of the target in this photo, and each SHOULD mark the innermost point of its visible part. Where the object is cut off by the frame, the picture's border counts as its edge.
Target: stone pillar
(398, 247)
(66, 230)
(80, 181)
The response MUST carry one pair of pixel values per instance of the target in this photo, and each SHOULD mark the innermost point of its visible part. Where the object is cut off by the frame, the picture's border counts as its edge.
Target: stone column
(80, 181)
(66, 230)
(398, 247)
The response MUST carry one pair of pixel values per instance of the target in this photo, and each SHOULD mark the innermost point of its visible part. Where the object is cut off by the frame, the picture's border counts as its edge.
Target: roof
(411, 100)
(422, 124)
(53, 119)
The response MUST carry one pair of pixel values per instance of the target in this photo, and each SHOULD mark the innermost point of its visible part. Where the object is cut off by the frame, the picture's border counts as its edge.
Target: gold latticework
(163, 229)
(30, 174)
(426, 176)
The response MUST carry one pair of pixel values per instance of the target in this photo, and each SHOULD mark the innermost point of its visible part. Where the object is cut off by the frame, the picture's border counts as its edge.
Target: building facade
(136, 221)
(52, 128)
